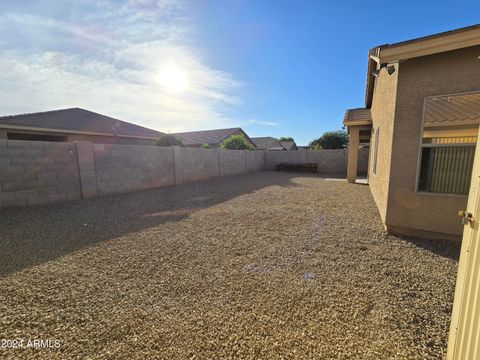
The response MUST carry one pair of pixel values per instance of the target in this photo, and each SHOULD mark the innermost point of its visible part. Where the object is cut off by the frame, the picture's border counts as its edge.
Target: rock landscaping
(262, 266)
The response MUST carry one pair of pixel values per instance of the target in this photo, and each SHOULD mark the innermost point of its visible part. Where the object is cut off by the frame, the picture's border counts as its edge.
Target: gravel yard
(262, 266)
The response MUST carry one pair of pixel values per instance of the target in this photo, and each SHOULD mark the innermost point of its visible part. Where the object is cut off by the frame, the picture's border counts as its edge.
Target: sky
(273, 67)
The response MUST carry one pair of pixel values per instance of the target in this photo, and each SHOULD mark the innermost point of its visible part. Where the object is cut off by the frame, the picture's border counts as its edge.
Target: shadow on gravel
(31, 236)
(445, 248)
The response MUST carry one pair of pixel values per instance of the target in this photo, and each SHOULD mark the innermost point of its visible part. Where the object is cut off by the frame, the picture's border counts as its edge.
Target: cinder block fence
(37, 172)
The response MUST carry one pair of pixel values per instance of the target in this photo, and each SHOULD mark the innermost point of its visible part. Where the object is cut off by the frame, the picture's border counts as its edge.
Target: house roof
(266, 142)
(211, 137)
(422, 46)
(452, 110)
(289, 145)
(76, 120)
(360, 116)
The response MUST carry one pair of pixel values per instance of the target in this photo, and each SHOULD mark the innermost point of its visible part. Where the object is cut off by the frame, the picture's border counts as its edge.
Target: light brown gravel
(264, 266)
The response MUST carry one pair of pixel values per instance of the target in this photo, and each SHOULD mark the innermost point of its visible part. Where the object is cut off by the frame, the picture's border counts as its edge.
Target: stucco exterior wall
(446, 73)
(383, 113)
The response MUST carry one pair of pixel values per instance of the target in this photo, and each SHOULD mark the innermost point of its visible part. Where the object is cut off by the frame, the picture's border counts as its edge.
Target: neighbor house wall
(382, 111)
(97, 139)
(118, 140)
(446, 73)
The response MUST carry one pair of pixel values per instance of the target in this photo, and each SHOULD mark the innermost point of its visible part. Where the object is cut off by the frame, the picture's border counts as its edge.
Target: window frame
(421, 146)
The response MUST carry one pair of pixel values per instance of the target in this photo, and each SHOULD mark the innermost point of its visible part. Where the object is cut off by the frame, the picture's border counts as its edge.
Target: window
(450, 129)
(35, 137)
(377, 134)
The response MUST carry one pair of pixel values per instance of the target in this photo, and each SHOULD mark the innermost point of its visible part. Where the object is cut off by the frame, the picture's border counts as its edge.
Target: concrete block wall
(233, 162)
(123, 168)
(273, 158)
(37, 172)
(195, 164)
(255, 160)
(329, 161)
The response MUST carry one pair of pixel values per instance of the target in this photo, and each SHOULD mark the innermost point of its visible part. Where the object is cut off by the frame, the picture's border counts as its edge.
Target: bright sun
(173, 78)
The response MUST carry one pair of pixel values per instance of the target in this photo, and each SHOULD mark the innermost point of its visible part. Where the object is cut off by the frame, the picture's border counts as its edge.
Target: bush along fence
(37, 172)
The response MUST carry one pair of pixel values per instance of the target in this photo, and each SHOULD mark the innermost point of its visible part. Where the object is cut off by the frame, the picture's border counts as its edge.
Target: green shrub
(236, 142)
(331, 140)
(168, 140)
(205, 146)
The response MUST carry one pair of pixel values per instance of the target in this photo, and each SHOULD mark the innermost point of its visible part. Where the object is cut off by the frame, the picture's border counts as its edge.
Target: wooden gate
(464, 339)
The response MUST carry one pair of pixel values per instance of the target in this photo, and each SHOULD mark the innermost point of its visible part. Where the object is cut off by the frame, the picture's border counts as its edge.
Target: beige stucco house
(422, 110)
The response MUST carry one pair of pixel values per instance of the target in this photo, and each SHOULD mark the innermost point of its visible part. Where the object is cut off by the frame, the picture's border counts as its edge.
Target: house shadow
(34, 235)
(447, 248)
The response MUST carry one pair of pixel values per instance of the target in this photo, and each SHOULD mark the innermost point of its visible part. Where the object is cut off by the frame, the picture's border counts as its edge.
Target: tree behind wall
(331, 140)
(236, 142)
(286, 138)
(168, 140)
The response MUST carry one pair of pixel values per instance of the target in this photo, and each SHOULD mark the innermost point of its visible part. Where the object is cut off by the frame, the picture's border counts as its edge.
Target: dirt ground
(262, 266)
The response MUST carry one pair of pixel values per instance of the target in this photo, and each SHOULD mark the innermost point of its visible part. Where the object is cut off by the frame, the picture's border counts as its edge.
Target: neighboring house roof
(270, 143)
(211, 137)
(266, 142)
(289, 145)
(422, 46)
(76, 120)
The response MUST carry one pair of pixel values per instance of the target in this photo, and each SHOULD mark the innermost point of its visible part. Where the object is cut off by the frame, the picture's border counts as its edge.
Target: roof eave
(65, 131)
(428, 45)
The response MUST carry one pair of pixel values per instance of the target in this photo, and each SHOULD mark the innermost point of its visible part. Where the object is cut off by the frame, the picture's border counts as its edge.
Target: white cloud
(107, 59)
(265, 123)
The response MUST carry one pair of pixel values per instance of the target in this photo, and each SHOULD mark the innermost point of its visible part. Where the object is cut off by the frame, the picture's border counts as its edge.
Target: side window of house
(450, 130)
(375, 155)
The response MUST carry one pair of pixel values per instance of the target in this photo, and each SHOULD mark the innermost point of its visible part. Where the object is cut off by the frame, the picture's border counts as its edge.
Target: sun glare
(173, 79)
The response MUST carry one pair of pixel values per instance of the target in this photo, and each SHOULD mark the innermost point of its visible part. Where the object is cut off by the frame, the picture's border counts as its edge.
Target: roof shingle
(78, 120)
(211, 137)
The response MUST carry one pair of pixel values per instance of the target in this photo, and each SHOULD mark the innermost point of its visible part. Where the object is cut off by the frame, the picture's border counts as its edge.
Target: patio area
(265, 265)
